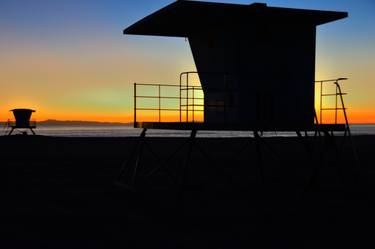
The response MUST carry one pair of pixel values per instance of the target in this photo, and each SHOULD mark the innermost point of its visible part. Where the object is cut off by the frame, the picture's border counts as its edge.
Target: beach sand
(64, 193)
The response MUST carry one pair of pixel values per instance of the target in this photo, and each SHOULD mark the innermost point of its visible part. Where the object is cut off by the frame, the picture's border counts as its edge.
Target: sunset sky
(70, 61)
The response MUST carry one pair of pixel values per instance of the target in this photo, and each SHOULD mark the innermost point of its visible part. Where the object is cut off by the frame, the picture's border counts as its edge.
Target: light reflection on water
(128, 131)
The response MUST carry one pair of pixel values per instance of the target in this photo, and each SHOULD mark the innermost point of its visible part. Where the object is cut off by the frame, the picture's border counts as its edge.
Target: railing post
(336, 104)
(321, 103)
(187, 98)
(159, 104)
(135, 104)
(180, 98)
(343, 107)
(193, 102)
(204, 105)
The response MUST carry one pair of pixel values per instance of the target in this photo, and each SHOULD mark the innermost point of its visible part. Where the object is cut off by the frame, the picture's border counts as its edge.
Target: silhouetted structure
(256, 66)
(22, 121)
(256, 63)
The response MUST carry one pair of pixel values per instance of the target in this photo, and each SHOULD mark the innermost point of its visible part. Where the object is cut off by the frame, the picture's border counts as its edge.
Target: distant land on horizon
(79, 122)
(84, 122)
(54, 122)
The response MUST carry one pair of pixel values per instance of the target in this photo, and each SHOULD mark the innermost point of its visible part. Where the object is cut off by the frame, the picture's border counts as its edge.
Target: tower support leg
(305, 143)
(11, 131)
(185, 166)
(136, 156)
(259, 154)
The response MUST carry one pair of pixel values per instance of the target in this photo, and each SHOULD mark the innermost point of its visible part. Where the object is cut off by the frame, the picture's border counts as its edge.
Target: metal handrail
(338, 95)
(159, 96)
(186, 94)
(186, 87)
(153, 84)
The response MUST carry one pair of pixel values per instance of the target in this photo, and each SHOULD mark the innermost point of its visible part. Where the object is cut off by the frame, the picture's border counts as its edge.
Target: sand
(62, 193)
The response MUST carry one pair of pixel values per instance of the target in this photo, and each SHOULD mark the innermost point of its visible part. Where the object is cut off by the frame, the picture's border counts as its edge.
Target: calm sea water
(128, 131)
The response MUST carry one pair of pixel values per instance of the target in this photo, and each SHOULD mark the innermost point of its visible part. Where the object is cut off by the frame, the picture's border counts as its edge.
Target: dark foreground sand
(61, 193)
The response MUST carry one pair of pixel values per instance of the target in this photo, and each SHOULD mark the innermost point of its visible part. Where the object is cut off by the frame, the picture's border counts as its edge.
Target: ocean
(129, 131)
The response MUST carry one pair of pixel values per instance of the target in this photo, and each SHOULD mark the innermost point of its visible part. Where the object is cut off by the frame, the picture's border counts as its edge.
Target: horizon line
(131, 122)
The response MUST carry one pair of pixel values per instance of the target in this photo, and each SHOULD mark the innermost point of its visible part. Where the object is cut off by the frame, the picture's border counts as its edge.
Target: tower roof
(182, 18)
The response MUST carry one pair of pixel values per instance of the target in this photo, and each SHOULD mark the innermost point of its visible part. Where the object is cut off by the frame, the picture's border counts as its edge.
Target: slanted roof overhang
(182, 18)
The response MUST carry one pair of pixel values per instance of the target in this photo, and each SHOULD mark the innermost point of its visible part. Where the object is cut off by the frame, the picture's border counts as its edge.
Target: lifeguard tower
(22, 120)
(255, 65)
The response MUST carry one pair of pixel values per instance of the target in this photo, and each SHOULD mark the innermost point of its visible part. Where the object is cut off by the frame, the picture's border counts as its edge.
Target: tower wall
(263, 77)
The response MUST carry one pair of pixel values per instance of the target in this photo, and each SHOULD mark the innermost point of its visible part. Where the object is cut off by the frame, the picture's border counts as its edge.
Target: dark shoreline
(66, 185)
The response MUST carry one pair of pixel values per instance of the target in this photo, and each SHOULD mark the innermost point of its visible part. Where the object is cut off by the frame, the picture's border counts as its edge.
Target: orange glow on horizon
(361, 116)
(198, 117)
(355, 116)
(42, 116)
(364, 116)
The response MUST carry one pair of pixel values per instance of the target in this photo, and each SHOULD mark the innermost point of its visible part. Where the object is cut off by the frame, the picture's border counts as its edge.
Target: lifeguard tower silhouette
(256, 66)
(22, 120)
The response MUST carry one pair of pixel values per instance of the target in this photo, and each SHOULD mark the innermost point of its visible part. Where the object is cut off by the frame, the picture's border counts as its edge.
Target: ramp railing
(170, 102)
(184, 103)
(225, 85)
(332, 101)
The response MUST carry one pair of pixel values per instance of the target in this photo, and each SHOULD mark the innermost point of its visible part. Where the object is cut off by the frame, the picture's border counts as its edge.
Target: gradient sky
(69, 60)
